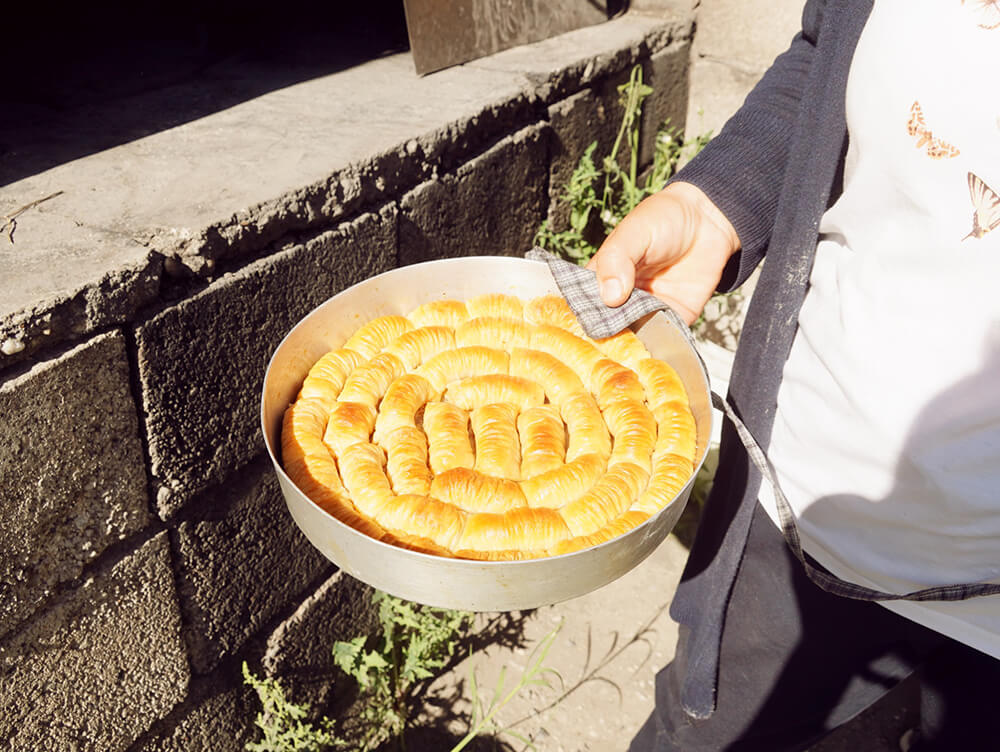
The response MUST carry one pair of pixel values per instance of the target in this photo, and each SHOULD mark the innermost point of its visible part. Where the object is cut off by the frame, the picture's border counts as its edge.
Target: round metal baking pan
(458, 583)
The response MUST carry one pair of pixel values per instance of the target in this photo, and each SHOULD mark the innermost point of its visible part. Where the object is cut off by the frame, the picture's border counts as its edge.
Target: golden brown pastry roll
(543, 440)
(634, 430)
(448, 438)
(318, 479)
(495, 304)
(579, 354)
(376, 334)
(556, 378)
(585, 427)
(406, 463)
(368, 383)
(506, 555)
(676, 432)
(327, 377)
(610, 381)
(474, 492)
(461, 363)
(498, 447)
(349, 423)
(631, 519)
(607, 500)
(362, 469)
(564, 484)
(475, 391)
(418, 543)
(440, 313)
(661, 382)
(625, 347)
(552, 310)
(418, 345)
(670, 474)
(302, 429)
(519, 529)
(318, 469)
(404, 397)
(424, 516)
(492, 331)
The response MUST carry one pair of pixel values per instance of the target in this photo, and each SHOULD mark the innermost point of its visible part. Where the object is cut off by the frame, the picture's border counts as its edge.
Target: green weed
(283, 724)
(415, 643)
(600, 194)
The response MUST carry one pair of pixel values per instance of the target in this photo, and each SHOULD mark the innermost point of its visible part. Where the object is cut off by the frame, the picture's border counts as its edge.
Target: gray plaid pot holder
(579, 287)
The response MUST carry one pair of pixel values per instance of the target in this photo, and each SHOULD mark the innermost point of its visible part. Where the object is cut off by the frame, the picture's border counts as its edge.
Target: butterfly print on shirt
(936, 147)
(989, 11)
(985, 207)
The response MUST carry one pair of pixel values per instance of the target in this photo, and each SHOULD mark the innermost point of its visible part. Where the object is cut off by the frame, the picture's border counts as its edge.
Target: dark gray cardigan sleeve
(741, 169)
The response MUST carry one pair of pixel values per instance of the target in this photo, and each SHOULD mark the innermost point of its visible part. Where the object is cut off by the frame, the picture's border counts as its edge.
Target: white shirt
(887, 434)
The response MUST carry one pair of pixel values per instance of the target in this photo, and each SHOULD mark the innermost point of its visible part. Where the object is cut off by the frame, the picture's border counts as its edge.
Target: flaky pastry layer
(490, 429)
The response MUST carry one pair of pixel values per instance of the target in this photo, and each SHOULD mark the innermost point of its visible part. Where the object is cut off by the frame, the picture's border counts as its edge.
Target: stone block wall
(146, 548)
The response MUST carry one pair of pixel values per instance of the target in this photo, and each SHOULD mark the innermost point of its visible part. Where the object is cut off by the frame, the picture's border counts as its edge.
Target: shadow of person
(848, 653)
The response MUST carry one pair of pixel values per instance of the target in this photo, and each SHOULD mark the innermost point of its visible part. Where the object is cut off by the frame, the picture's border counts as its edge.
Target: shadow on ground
(439, 714)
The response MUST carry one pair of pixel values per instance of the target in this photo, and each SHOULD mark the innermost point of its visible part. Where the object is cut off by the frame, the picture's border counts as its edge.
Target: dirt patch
(608, 648)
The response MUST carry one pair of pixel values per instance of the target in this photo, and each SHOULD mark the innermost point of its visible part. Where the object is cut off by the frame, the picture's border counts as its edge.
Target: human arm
(686, 242)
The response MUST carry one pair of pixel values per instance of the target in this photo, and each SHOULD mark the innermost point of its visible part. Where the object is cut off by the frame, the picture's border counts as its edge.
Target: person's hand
(674, 244)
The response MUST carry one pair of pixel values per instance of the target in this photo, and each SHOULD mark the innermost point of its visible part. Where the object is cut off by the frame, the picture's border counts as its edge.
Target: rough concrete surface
(264, 150)
(219, 721)
(239, 563)
(42, 302)
(489, 206)
(553, 74)
(71, 471)
(97, 669)
(202, 362)
(299, 650)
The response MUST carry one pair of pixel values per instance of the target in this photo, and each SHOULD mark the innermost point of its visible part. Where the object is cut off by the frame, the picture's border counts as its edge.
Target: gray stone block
(299, 651)
(240, 563)
(492, 205)
(667, 73)
(202, 362)
(218, 717)
(71, 471)
(95, 670)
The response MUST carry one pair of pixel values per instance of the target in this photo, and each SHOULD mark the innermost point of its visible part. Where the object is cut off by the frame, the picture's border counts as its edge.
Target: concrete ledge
(290, 161)
(299, 651)
(488, 206)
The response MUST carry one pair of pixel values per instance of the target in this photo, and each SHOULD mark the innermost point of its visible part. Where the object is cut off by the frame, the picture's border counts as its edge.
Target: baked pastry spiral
(490, 429)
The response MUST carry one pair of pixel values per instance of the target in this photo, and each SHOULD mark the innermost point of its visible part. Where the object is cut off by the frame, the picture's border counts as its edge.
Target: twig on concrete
(10, 220)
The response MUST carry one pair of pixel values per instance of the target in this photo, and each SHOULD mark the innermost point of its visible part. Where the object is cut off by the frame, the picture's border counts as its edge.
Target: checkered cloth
(579, 287)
